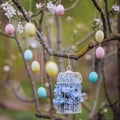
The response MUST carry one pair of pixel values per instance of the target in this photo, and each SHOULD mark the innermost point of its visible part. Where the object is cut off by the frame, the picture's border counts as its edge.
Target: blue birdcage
(68, 95)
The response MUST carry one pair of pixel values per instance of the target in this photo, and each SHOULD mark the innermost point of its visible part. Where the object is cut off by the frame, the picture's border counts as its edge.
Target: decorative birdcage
(68, 96)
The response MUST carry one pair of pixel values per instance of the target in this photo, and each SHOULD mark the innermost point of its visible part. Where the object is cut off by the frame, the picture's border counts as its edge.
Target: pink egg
(100, 53)
(9, 29)
(60, 10)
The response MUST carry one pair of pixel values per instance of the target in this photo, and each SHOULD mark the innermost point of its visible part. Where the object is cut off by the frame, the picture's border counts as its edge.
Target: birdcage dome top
(69, 77)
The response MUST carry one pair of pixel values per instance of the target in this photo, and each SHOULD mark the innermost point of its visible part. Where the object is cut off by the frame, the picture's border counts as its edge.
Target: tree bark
(117, 115)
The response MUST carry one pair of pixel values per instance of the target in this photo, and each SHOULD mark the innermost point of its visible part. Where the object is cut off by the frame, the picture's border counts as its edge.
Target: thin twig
(23, 99)
(72, 6)
(40, 21)
(107, 15)
(86, 106)
(13, 91)
(84, 39)
(47, 28)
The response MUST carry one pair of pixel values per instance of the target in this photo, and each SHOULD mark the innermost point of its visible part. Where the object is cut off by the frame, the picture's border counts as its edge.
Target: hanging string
(99, 44)
(28, 44)
(93, 58)
(69, 64)
(42, 64)
(60, 1)
(35, 53)
(9, 20)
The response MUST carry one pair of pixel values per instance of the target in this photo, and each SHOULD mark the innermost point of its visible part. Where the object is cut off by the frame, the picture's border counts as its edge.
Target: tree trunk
(117, 114)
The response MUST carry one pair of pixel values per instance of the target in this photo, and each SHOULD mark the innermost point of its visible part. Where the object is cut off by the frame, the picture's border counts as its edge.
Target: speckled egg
(30, 29)
(60, 10)
(9, 29)
(93, 76)
(99, 36)
(42, 93)
(100, 53)
(51, 68)
(35, 66)
(28, 55)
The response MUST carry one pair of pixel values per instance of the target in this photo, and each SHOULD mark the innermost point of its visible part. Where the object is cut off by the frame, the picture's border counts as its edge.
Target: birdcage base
(68, 112)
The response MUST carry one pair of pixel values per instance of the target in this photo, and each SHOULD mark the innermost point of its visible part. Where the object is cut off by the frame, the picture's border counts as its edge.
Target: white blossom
(19, 13)
(38, 6)
(98, 21)
(6, 68)
(88, 57)
(69, 18)
(47, 84)
(20, 27)
(116, 8)
(51, 8)
(9, 10)
(30, 13)
(105, 110)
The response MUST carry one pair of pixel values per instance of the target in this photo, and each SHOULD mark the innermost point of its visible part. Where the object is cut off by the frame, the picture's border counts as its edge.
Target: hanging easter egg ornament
(9, 29)
(51, 68)
(42, 93)
(100, 52)
(35, 66)
(60, 10)
(99, 36)
(93, 77)
(68, 95)
(30, 29)
(28, 55)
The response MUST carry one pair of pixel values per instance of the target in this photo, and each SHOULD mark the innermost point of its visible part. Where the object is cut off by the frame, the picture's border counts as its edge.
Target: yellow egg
(30, 29)
(99, 36)
(51, 68)
(35, 67)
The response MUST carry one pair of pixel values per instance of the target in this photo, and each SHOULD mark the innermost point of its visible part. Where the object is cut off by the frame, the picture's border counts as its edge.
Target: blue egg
(28, 55)
(42, 93)
(93, 77)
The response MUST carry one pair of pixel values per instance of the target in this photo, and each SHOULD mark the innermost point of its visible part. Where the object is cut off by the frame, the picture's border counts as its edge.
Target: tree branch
(102, 16)
(107, 15)
(47, 116)
(29, 75)
(105, 88)
(52, 52)
(22, 10)
(2, 33)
